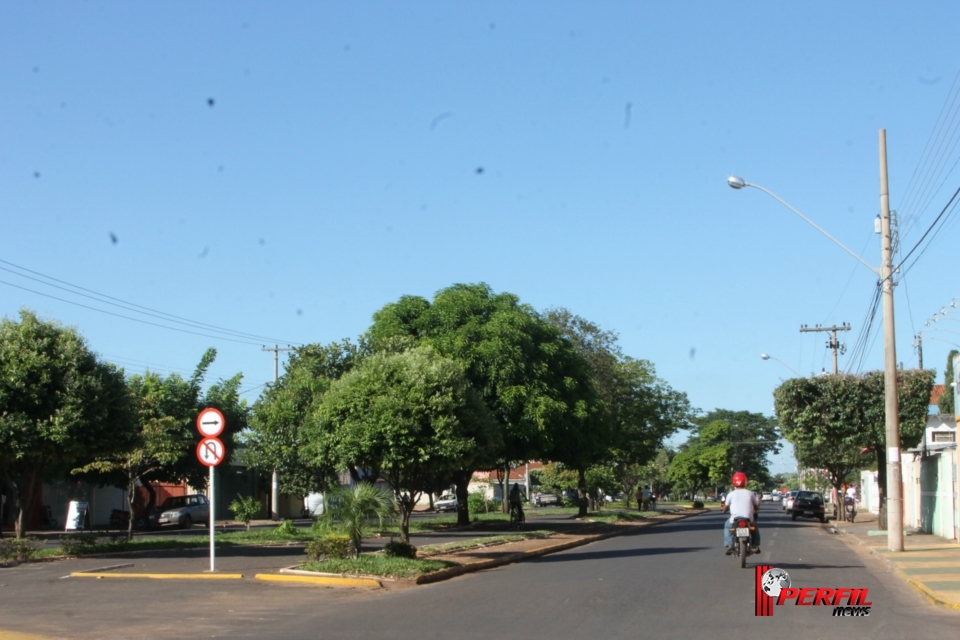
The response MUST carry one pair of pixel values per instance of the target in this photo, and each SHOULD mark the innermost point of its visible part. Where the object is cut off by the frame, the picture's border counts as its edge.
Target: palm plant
(351, 508)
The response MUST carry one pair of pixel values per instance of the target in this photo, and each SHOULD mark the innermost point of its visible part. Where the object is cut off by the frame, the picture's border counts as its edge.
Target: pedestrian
(645, 494)
(639, 499)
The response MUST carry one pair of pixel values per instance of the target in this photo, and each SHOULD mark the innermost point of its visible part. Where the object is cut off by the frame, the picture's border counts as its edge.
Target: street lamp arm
(811, 223)
(765, 356)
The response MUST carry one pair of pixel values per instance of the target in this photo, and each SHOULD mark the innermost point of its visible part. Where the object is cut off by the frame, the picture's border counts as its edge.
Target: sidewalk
(930, 564)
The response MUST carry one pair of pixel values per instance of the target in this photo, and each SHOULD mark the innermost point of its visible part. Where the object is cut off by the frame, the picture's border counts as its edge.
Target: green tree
(276, 439)
(752, 437)
(828, 418)
(703, 461)
(945, 402)
(404, 416)
(158, 444)
(637, 410)
(58, 404)
(532, 380)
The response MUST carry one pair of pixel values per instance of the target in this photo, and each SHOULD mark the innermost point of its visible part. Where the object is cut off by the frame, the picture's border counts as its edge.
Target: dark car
(808, 504)
(181, 511)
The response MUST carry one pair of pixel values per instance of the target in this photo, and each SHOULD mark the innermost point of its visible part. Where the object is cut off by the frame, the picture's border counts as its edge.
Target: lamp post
(765, 356)
(894, 498)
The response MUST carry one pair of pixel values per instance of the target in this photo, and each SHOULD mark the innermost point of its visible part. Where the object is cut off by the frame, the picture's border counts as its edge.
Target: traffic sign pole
(212, 529)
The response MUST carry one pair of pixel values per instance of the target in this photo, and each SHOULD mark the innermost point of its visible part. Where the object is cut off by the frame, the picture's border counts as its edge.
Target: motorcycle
(849, 509)
(742, 530)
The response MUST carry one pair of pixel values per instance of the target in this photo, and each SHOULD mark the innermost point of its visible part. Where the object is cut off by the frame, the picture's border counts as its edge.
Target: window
(944, 436)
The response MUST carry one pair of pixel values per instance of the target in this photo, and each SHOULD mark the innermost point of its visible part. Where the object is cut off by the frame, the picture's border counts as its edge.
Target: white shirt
(741, 503)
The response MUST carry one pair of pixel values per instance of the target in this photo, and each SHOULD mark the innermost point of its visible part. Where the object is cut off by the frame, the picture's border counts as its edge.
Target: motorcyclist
(741, 503)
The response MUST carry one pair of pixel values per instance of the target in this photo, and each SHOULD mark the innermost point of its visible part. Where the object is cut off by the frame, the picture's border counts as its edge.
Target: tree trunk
(504, 487)
(26, 495)
(131, 487)
(882, 486)
(582, 492)
(430, 497)
(462, 480)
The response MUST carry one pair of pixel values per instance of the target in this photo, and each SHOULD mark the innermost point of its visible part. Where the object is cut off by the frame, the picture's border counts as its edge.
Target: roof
(935, 393)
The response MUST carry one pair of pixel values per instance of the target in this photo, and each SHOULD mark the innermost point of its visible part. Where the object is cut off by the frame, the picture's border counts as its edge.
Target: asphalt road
(666, 581)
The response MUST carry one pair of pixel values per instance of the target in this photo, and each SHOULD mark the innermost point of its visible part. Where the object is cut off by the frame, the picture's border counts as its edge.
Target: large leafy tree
(158, 444)
(828, 418)
(406, 416)
(157, 397)
(58, 404)
(277, 438)
(752, 437)
(533, 381)
(637, 409)
(699, 465)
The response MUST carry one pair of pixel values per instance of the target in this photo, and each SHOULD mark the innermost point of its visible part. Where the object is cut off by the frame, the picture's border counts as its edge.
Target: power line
(104, 298)
(925, 234)
(110, 313)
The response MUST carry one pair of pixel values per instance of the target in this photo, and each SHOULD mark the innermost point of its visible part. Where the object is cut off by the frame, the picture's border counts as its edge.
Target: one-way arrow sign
(210, 423)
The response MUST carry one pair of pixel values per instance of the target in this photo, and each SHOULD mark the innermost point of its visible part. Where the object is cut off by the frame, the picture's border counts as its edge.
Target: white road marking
(766, 556)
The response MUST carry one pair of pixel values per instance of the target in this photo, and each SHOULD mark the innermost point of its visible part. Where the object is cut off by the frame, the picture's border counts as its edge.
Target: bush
(287, 528)
(245, 509)
(400, 549)
(332, 545)
(698, 504)
(77, 544)
(17, 549)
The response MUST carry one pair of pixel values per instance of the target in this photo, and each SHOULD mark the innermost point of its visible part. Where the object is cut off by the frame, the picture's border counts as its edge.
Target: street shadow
(617, 553)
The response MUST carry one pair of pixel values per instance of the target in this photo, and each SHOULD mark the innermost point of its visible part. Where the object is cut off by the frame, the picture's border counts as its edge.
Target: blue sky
(574, 154)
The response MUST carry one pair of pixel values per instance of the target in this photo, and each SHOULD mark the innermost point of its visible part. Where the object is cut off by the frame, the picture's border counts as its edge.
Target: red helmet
(739, 479)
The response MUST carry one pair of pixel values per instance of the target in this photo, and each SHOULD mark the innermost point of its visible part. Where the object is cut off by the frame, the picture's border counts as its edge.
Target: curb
(916, 585)
(330, 581)
(520, 556)
(160, 576)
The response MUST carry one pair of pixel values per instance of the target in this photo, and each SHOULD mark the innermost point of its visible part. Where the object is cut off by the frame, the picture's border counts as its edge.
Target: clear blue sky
(575, 154)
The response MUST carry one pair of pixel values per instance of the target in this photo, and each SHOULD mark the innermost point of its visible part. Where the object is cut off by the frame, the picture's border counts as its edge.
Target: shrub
(698, 504)
(77, 544)
(17, 549)
(287, 528)
(400, 549)
(245, 509)
(332, 545)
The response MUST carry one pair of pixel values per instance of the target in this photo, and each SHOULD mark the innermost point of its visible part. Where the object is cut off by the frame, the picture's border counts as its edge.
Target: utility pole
(894, 498)
(832, 342)
(918, 345)
(274, 479)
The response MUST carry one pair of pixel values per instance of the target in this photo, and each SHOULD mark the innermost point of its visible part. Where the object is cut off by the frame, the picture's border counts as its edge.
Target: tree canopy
(58, 404)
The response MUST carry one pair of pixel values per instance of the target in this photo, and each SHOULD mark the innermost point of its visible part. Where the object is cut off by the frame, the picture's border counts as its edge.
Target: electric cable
(110, 313)
(169, 316)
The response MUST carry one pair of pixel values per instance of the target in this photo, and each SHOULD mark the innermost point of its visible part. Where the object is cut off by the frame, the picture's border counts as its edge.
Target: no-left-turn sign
(210, 452)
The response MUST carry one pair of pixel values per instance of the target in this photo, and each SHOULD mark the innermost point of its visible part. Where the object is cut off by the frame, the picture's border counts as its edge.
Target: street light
(891, 403)
(764, 356)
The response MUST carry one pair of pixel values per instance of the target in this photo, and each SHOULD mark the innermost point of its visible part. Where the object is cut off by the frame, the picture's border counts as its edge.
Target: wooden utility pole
(832, 343)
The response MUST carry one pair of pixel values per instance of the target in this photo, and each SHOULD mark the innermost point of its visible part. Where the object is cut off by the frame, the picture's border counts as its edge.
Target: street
(667, 581)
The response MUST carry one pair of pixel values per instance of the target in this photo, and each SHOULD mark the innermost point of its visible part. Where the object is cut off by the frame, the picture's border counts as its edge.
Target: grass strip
(377, 565)
(461, 545)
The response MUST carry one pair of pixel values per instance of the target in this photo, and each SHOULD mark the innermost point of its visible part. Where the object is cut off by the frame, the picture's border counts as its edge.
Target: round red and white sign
(210, 452)
(210, 423)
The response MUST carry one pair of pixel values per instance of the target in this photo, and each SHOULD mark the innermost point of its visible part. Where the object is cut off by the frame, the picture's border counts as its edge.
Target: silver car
(182, 512)
(446, 502)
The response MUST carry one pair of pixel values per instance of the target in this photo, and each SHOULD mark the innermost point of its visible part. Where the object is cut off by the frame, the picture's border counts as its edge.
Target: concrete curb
(520, 556)
(328, 581)
(916, 585)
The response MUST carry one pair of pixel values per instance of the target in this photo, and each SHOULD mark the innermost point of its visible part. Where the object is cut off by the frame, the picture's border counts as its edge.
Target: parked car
(181, 511)
(446, 502)
(548, 500)
(808, 504)
(788, 500)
